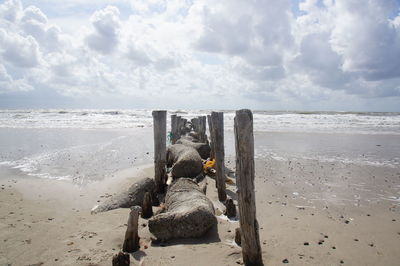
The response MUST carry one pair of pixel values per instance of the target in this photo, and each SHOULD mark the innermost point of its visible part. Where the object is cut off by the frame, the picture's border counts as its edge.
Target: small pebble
(285, 261)
(306, 243)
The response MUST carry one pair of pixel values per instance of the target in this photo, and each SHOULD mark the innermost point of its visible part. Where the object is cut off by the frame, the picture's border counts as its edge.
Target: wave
(264, 121)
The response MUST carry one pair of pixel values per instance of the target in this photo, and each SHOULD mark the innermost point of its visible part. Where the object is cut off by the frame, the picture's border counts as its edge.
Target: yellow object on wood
(208, 164)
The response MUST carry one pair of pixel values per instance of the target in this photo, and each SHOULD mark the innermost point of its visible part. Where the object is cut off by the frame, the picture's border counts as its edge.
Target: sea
(84, 146)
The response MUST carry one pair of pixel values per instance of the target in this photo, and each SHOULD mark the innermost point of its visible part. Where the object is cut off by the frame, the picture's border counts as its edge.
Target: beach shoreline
(49, 221)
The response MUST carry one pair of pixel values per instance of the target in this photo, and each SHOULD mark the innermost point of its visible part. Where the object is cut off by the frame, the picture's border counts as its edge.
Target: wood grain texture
(244, 143)
(131, 242)
(160, 149)
(217, 120)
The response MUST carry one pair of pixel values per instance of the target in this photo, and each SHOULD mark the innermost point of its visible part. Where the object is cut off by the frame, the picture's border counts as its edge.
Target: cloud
(19, 50)
(8, 84)
(366, 39)
(106, 24)
(259, 32)
(10, 10)
(230, 53)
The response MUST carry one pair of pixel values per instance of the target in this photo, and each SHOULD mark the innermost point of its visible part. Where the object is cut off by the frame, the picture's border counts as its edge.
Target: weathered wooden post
(230, 208)
(217, 121)
(244, 143)
(147, 206)
(202, 129)
(131, 242)
(195, 124)
(160, 149)
(238, 237)
(174, 129)
(212, 153)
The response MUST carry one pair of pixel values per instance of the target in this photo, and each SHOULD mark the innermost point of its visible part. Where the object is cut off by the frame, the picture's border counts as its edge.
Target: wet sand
(309, 212)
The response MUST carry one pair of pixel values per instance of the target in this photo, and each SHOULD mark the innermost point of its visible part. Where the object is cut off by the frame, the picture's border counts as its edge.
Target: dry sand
(309, 212)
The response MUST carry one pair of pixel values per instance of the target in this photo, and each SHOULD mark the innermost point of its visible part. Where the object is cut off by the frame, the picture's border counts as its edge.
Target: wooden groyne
(180, 174)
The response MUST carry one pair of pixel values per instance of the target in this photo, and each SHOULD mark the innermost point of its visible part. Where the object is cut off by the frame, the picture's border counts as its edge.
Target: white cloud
(106, 24)
(363, 35)
(226, 54)
(7, 83)
(19, 50)
(10, 10)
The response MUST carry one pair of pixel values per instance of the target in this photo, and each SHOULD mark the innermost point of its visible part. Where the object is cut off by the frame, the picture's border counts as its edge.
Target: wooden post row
(160, 148)
(217, 121)
(244, 143)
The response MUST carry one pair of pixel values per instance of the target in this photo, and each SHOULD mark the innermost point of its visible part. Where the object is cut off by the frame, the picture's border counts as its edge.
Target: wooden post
(195, 124)
(174, 129)
(244, 143)
(160, 149)
(212, 153)
(217, 120)
(121, 259)
(202, 129)
(147, 206)
(230, 208)
(131, 242)
(238, 237)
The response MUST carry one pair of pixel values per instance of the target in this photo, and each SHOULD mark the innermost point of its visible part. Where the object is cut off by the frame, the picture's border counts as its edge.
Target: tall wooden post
(174, 129)
(217, 121)
(160, 150)
(202, 129)
(244, 143)
(212, 153)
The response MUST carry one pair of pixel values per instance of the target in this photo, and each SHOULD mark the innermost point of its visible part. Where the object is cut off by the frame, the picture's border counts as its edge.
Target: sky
(331, 55)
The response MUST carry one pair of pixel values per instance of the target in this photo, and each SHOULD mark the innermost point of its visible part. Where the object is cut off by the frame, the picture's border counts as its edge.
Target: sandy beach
(322, 197)
(309, 212)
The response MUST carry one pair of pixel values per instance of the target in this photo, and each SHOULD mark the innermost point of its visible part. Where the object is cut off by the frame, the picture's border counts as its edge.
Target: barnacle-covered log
(202, 148)
(189, 213)
(184, 160)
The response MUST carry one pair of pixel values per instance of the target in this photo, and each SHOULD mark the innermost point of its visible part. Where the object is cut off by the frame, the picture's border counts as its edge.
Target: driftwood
(121, 259)
(244, 143)
(189, 213)
(202, 148)
(131, 242)
(185, 161)
(132, 197)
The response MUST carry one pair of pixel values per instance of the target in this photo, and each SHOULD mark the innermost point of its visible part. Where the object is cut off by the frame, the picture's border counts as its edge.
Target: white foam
(265, 121)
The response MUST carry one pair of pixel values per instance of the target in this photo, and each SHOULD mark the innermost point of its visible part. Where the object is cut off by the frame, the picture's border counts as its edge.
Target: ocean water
(264, 121)
(88, 145)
